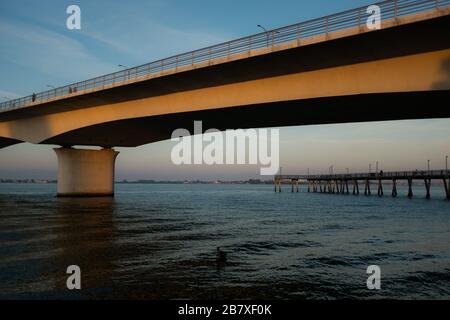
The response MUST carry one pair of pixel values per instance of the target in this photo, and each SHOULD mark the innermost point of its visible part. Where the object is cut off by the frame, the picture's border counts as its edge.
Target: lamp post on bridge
(267, 34)
(446, 164)
(127, 76)
(428, 166)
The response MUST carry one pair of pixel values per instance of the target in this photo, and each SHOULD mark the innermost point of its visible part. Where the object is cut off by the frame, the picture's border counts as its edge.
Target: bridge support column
(85, 173)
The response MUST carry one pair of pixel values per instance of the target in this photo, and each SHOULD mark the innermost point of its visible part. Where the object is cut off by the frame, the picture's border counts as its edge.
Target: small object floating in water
(221, 256)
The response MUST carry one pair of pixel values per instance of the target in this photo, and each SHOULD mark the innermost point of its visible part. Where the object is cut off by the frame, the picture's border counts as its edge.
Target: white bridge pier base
(86, 173)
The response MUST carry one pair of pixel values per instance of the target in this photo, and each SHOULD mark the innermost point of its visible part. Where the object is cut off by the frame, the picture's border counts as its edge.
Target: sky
(37, 50)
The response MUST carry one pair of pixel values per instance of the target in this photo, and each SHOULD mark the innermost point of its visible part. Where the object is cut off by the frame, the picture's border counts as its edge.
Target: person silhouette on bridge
(33, 97)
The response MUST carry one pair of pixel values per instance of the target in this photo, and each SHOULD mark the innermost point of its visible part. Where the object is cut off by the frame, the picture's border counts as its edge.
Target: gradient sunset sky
(36, 50)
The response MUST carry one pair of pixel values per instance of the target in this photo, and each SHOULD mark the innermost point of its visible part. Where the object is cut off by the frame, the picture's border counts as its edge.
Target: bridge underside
(6, 142)
(346, 109)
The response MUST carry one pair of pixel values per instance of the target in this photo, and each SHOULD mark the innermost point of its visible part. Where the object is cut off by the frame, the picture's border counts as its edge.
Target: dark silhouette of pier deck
(342, 183)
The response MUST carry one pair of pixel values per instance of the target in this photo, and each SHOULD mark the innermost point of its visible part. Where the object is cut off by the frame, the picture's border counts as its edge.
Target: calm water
(159, 242)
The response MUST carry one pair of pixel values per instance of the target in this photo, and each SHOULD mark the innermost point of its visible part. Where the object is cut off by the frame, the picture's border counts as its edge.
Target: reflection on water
(159, 242)
(84, 233)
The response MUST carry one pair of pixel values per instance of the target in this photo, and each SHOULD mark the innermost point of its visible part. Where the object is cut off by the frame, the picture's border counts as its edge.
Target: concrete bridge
(333, 69)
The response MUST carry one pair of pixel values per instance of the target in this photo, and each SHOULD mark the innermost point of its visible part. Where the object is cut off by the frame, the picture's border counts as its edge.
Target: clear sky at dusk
(36, 50)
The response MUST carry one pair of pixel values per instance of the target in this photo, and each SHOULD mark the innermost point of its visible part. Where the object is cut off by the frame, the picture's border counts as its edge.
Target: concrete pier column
(85, 173)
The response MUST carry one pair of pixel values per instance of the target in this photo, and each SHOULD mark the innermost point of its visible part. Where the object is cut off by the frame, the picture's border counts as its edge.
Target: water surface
(158, 242)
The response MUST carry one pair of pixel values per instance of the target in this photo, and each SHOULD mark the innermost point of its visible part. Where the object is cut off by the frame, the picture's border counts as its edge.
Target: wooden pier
(351, 183)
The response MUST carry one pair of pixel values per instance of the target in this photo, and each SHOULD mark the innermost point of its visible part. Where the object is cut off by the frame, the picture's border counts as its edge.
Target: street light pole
(446, 163)
(428, 164)
(267, 33)
(126, 68)
(370, 168)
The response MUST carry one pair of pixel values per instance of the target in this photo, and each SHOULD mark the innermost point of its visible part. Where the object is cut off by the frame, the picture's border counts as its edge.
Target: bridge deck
(347, 23)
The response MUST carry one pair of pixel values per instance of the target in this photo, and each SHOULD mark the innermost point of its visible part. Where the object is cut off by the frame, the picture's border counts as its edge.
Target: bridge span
(332, 69)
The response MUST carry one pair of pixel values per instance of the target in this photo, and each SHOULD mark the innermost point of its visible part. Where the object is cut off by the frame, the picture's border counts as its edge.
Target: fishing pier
(356, 183)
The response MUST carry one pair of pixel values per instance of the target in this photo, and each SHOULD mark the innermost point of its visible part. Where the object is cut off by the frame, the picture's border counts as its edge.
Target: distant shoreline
(45, 181)
(217, 182)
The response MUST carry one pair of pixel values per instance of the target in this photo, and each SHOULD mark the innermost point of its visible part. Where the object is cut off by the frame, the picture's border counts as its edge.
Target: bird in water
(221, 257)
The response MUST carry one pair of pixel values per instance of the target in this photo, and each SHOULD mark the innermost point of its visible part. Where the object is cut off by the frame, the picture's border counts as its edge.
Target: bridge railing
(390, 9)
(416, 174)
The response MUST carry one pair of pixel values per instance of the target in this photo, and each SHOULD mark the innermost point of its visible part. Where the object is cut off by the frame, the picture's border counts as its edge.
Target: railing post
(359, 18)
(395, 9)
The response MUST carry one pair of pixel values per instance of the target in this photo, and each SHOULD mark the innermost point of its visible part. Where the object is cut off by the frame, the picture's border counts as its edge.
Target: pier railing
(416, 174)
(390, 9)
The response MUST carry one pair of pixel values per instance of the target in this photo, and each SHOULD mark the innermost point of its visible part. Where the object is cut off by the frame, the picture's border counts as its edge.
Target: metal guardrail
(416, 174)
(390, 9)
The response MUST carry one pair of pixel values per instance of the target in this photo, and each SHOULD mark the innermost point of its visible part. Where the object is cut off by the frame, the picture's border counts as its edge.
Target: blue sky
(36, 50)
